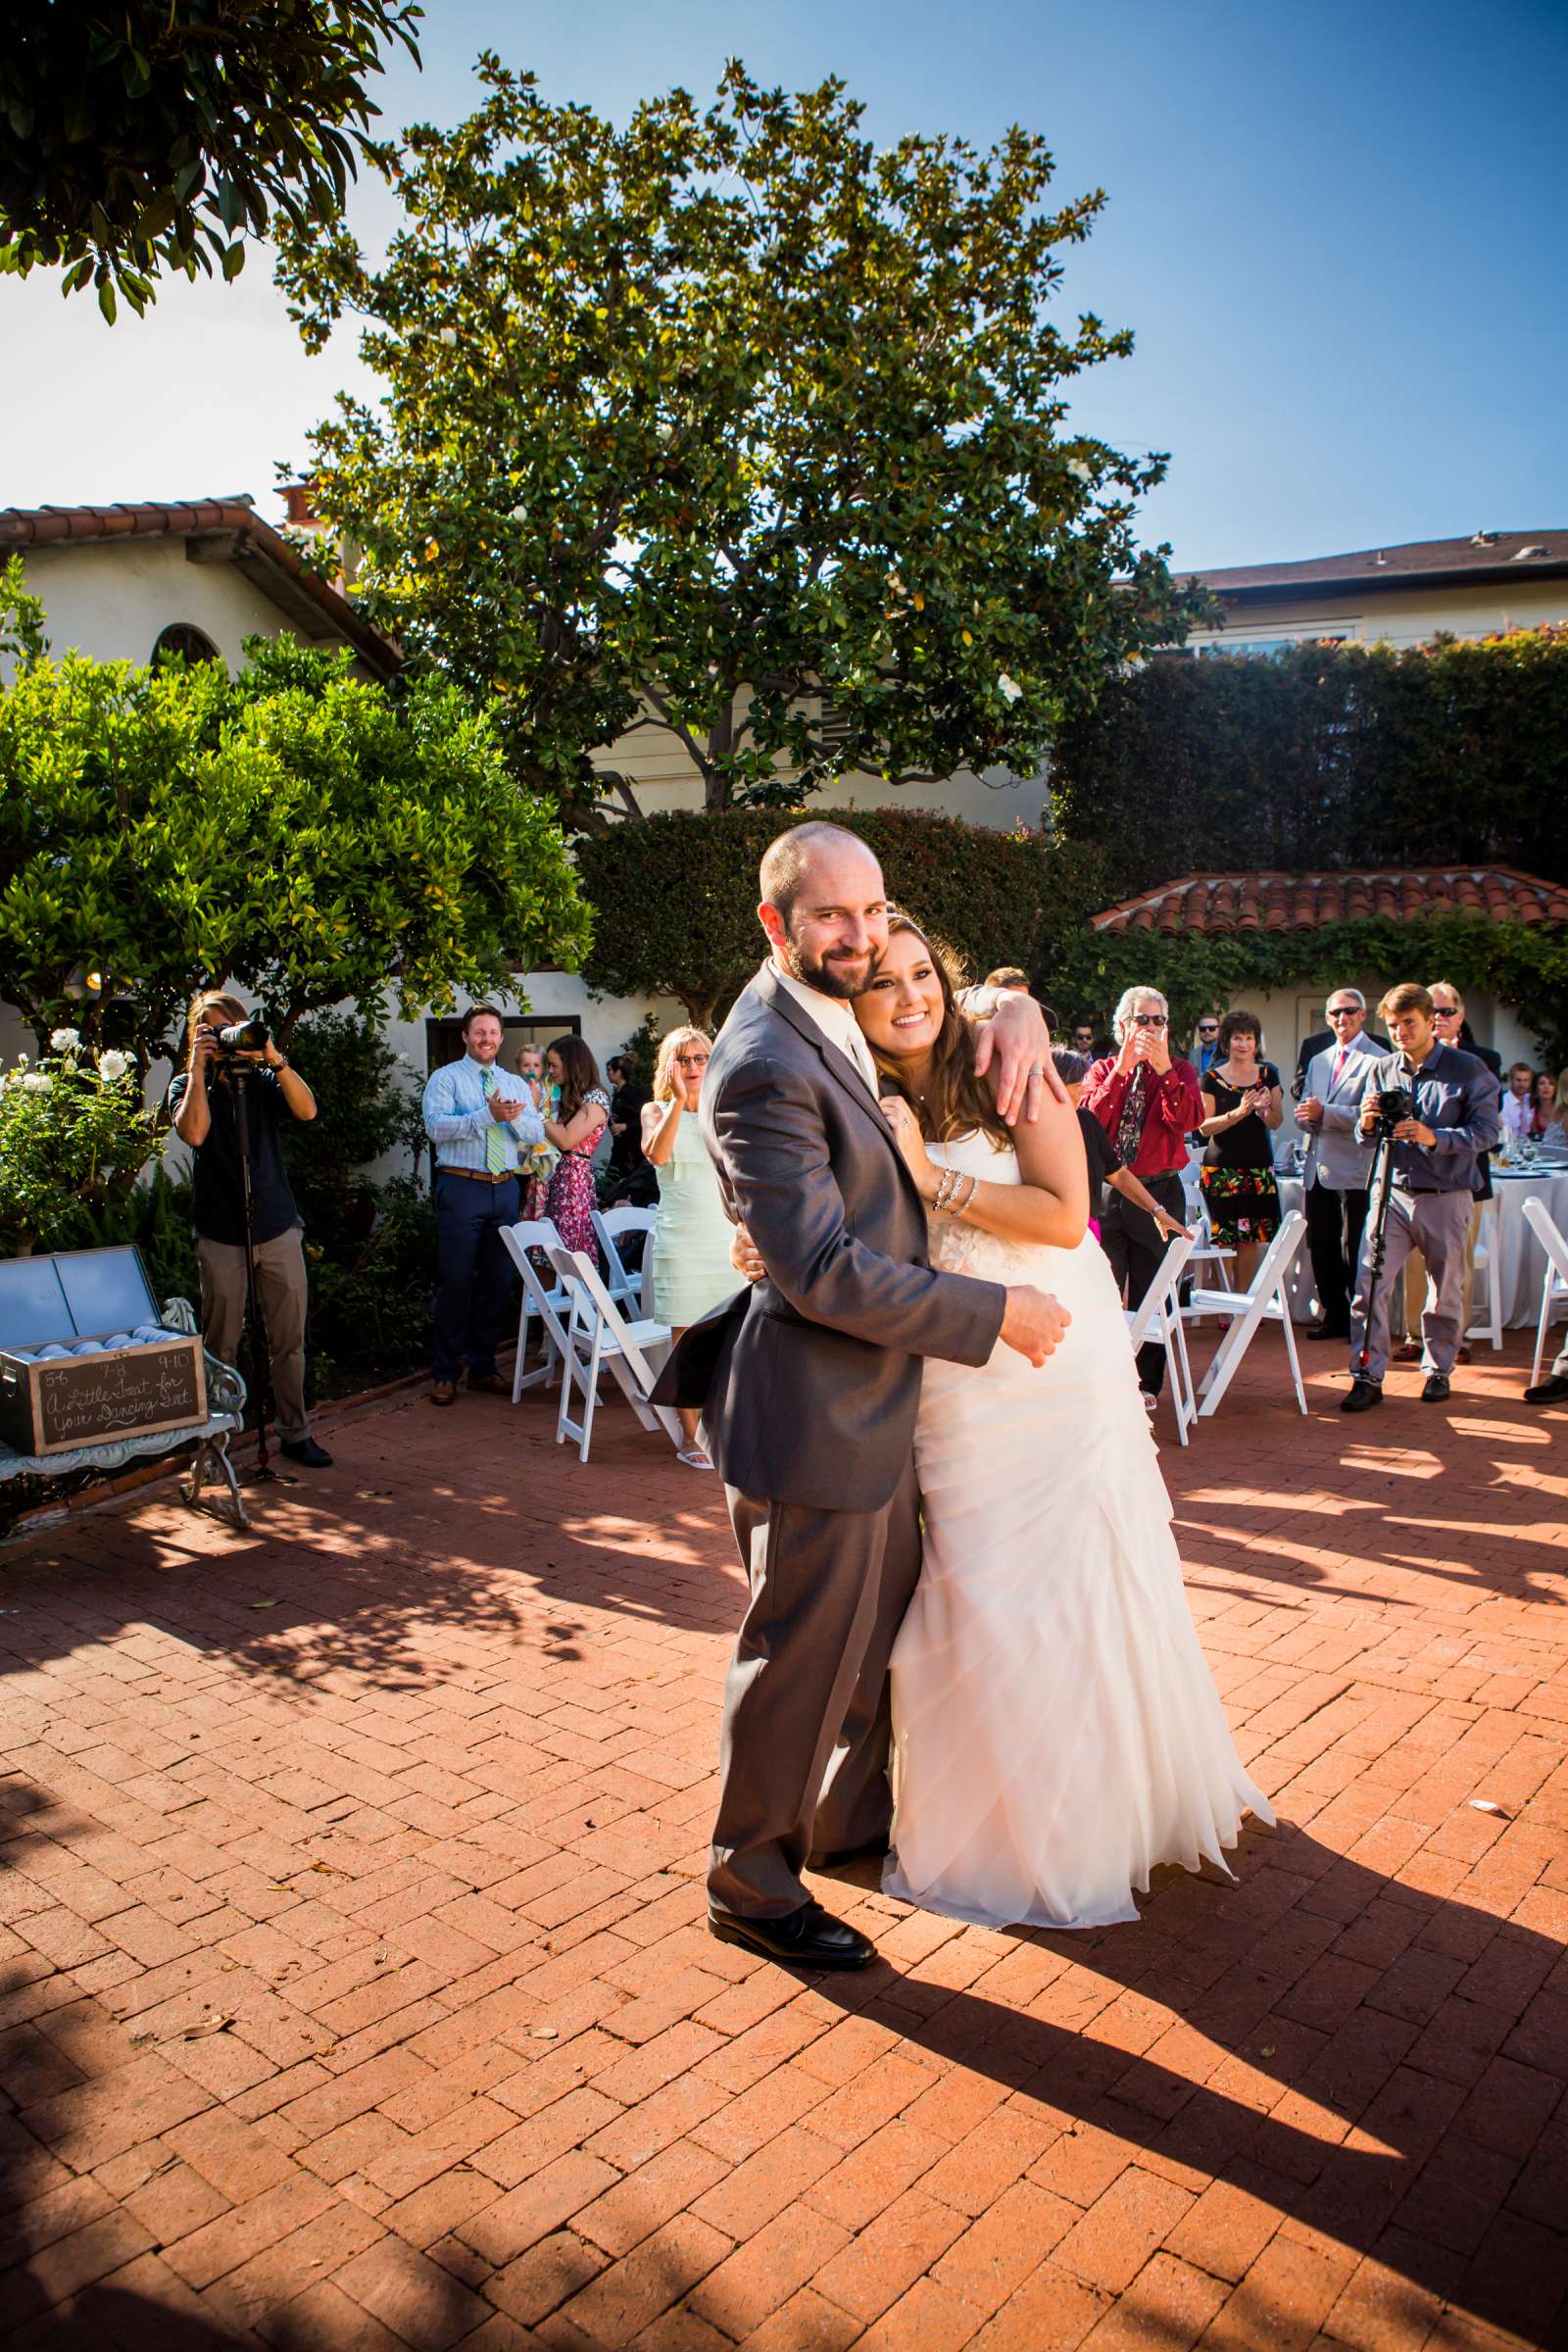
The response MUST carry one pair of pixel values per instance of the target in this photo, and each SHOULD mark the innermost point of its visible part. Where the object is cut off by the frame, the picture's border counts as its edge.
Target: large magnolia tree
(295, 830)
(728, 425)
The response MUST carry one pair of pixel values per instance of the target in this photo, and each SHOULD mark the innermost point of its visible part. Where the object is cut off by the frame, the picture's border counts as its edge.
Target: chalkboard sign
(67, 1402)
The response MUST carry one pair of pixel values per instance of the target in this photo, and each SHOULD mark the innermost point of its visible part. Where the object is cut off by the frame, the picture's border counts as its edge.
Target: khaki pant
(1436, 1224)
(281, 1293)
(1416, 1282)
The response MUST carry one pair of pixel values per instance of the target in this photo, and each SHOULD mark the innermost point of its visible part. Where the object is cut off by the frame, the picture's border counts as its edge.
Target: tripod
(1380, 1191)
(261, 1361)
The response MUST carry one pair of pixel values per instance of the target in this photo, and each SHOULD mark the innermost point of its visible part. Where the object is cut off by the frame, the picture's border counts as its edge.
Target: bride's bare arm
(1050, 1208)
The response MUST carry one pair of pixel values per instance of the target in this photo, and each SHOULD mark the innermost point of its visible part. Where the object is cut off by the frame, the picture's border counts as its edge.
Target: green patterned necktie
(497, 1138)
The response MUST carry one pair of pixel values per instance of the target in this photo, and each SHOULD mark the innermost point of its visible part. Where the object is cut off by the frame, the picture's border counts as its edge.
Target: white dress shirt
(832, 1017)
(1517, 1113)
(456, 1113)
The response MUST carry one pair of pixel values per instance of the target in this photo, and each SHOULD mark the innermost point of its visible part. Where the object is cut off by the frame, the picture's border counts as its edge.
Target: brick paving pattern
(354, 1990)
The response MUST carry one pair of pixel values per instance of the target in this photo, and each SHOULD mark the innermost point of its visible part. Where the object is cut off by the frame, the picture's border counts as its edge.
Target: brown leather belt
(480, 1175)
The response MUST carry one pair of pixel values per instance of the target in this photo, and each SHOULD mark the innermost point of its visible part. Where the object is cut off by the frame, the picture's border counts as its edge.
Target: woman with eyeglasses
(692, 1268)
(1244, 1104)
(1148, 1104)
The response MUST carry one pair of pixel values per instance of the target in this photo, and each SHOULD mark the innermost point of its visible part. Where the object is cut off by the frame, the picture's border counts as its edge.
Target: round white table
(1521, 1260)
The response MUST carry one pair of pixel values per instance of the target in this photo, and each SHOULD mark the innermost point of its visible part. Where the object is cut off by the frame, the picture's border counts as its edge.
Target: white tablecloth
(1521, 1260)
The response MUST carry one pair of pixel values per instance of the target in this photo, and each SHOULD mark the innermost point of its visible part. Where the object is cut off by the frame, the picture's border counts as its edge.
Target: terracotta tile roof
(262, 550)
(1237, 904)
(1485, 556)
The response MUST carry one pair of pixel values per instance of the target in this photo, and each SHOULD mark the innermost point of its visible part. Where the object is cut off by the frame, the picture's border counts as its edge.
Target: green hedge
(1519, 963)
(1333, 756)
(674, 899)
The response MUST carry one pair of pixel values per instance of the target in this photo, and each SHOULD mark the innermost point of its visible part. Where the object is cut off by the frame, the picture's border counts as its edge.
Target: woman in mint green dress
(692, 1269)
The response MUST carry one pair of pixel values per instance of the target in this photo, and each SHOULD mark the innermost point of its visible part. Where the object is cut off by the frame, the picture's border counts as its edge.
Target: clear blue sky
(1337, 231)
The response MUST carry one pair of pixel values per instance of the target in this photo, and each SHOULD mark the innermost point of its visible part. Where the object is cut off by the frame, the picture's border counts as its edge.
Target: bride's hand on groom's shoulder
(1033, 1323)
(1014, 1046)
(911, 1142)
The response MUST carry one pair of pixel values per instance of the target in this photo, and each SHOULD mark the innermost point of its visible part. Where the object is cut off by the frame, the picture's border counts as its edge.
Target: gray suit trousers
(808, 1731)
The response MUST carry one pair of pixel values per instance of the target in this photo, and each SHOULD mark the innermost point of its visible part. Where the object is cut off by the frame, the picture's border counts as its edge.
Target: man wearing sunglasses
(1208, 1053)
(1148, 1105)
(1337, 1168)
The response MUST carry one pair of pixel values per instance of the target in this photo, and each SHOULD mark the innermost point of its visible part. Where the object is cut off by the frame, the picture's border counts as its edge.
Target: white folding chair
(598, 1339)
(1488, 1325)
(1205, 1249)
(1267, 1299)
(1554, 1278)
(1160, 1318)
(550, 1304)
(633, 1294)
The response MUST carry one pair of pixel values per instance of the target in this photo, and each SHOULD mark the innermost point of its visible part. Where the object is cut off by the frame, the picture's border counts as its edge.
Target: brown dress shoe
(1408, 1352)
(490, 1384)
(445, 1392)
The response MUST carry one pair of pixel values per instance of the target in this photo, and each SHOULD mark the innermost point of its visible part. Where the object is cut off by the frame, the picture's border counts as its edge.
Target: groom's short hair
(784, 857)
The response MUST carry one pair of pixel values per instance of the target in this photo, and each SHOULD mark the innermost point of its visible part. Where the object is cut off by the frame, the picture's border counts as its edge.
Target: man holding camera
(476, 1115)
(1434, 1110)
(233, 1057)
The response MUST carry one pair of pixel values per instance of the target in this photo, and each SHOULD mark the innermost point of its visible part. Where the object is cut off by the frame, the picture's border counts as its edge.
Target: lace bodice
(958, 1248)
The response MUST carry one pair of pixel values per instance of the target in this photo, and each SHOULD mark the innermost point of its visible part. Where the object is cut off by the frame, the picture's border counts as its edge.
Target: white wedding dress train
(1056, 1732)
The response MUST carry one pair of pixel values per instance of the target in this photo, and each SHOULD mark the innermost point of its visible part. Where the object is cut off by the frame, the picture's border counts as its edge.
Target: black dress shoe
(839, 1857)
(1365, 1395)
(1329, 1331)
(1436, 1390)
(810, 1937)
(306, 1450)
(1553, 1390)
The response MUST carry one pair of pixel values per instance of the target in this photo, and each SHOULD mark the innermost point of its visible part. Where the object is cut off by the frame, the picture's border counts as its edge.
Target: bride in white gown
(1057, 1732)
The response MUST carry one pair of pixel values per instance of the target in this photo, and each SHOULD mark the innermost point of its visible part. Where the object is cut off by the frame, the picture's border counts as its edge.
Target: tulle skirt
(1057, 1729)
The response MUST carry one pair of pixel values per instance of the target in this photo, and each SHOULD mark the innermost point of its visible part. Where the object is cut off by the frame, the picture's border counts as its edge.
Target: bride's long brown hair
(957, 1101)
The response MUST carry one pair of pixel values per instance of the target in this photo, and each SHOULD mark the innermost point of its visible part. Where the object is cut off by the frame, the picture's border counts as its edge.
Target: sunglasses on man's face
(1209, 1028)
(1151, 1020)
(1343, 1012)
(1445, 1013)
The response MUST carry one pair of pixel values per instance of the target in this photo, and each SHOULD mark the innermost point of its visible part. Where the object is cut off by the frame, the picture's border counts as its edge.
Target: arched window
(191, 644)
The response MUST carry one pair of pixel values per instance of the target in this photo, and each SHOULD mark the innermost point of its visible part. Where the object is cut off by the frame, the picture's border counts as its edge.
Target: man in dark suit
(809, 1383)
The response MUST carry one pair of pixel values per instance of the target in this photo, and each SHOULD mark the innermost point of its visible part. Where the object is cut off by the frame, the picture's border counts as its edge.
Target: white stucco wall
(113, 599)
(1396, 616)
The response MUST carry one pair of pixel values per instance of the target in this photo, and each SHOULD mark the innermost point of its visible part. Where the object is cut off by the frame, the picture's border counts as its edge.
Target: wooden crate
(68, 1401)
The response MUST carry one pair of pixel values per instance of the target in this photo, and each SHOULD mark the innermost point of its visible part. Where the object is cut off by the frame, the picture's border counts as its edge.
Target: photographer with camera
(1430, 1111)
(235, 1091)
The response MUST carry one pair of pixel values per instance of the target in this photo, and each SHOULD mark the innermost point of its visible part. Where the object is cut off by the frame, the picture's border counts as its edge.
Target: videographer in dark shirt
(203, 1101)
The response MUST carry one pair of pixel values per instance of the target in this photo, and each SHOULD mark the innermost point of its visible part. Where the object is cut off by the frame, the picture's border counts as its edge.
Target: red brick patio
(355, 1992)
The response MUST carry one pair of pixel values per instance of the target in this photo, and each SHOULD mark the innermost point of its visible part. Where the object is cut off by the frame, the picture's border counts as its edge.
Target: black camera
(244, 1036)
(1396, 1104)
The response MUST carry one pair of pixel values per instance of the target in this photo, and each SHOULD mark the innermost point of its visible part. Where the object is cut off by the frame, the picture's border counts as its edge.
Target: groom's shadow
(1380, 2064)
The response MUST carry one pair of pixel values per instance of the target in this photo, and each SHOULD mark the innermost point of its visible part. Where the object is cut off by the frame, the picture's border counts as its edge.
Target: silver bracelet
(946, 1187)
(960, 1206)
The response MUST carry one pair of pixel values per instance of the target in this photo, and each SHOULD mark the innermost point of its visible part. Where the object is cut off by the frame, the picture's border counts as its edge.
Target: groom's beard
(840, 972)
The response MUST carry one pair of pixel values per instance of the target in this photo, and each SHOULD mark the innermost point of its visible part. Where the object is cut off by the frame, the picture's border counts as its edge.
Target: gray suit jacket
(809, 1380)
(1334, 1157)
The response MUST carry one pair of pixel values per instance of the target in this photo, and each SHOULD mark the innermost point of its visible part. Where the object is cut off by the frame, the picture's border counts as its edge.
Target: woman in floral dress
(1243, 1104)
(574, 1131)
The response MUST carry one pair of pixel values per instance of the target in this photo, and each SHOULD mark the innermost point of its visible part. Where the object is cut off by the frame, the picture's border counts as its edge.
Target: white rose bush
(73, 1140)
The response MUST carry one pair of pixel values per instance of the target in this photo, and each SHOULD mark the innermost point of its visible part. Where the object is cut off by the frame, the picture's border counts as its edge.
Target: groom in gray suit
(809, 1383)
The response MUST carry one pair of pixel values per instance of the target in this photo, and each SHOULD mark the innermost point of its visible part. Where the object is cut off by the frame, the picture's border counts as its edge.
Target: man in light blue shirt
(476, 1115)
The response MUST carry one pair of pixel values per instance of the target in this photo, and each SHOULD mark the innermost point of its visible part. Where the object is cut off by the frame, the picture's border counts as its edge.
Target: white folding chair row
(1555, 1280)
(1205, 1249)
(1160, 1318)
(633, 1293)
(598, 1338)
(1488, 1325)
(547, 1301)
(1266, 1300)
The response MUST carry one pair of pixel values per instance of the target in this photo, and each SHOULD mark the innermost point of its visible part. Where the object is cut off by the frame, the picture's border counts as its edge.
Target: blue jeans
(474, 1301)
